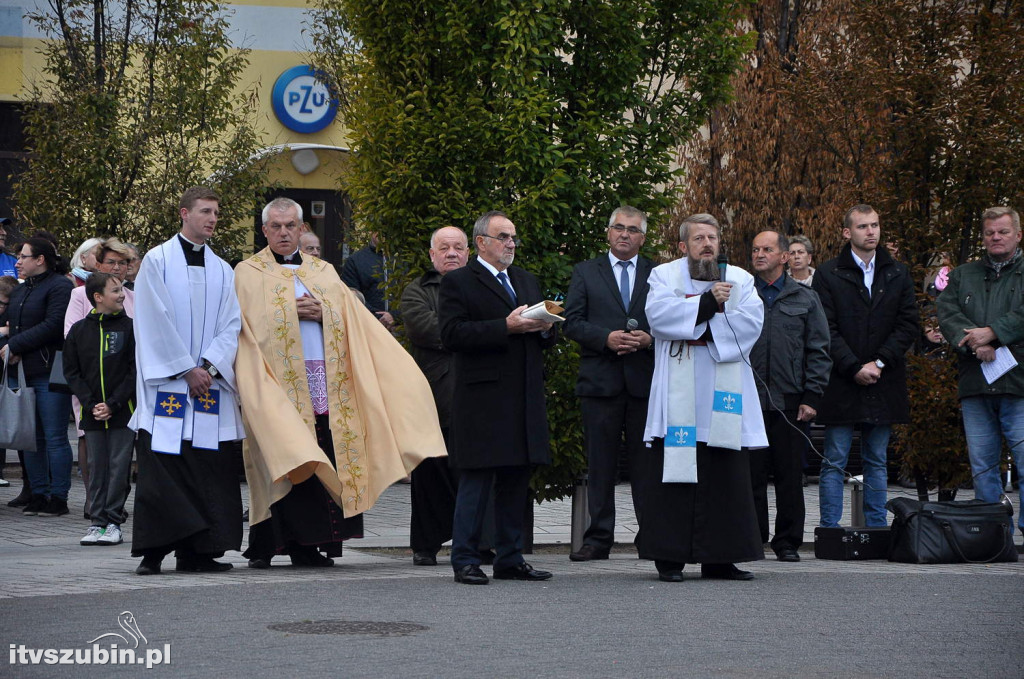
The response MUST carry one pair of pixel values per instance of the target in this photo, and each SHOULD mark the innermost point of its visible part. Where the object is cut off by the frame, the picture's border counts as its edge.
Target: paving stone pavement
(41, 555)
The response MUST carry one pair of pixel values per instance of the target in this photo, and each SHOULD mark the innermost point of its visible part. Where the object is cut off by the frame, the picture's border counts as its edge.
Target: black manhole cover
(380, 629)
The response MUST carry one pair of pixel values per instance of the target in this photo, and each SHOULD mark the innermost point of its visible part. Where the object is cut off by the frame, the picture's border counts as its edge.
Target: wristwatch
(210, 368)
(880, 363)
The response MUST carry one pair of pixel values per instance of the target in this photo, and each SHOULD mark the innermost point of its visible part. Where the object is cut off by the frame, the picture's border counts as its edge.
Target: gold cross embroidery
(207, 401)
(170, 404)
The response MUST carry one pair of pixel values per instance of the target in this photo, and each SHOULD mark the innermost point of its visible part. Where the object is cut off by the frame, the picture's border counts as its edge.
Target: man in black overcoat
(499, 428)
(604, 312)
(868, 298)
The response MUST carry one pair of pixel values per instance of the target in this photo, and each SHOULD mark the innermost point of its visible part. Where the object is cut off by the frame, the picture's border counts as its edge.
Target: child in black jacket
(99, 364)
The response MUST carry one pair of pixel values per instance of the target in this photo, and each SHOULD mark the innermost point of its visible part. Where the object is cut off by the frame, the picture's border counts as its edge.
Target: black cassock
(191, 503)
(711, 521)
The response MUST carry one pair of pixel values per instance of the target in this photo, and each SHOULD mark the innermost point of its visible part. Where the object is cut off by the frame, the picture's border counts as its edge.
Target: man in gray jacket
(981, 313)
(791, 362)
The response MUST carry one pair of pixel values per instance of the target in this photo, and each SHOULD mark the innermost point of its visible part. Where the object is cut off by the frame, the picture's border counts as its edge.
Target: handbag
(17, 413)
(58, 382)
(967, 531)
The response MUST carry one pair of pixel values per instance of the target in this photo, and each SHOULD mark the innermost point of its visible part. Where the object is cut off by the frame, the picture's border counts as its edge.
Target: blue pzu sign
(301, 102)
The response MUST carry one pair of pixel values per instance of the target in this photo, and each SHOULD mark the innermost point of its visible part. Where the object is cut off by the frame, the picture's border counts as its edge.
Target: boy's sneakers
(35, 504)
(54, 507)
(92, 536)
(111, 535)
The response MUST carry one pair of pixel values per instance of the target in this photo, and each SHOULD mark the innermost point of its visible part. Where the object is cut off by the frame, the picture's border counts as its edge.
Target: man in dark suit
(499, 426)
(604, 312)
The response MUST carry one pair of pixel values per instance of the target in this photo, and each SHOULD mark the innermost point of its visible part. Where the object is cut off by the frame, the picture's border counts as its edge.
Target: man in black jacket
(792, 363)
(499, 426)
(604, 312)
(99, 364)
(868, 299)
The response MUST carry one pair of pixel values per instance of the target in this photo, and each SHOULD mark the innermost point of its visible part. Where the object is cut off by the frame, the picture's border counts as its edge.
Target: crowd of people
(707, 375)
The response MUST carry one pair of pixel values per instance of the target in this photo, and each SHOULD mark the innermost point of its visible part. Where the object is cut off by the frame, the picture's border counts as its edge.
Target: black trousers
(784, 459)
(605, 421)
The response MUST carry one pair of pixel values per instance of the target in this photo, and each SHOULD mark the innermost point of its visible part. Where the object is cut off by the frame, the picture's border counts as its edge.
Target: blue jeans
(874, 439)
(49, 467)
(987, 420)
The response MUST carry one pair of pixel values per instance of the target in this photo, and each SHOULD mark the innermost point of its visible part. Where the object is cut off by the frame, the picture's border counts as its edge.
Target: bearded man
(703, 413)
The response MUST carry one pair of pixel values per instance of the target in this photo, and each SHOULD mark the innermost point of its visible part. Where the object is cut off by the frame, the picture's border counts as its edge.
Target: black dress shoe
(671, 576)
(424, 559)
(790, 555)
(201, 565)
(260, 562)
(22, 499)
(589, 553)
(149, 566)
(471, 575)
(309, 558)
(724, 571)
(523, 571)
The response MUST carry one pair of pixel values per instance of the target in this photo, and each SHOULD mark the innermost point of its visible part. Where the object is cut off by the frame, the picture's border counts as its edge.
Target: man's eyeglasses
(114, 263)
(632, 230)
(504, 238)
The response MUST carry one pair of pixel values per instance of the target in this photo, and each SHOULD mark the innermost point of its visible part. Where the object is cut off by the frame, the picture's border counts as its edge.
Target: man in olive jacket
(432, 494)
(792, 363)
(981, 313)
(868, 298)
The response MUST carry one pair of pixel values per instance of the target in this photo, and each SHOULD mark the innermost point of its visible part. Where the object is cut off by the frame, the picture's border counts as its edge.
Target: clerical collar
(294, 258)
(194, 252)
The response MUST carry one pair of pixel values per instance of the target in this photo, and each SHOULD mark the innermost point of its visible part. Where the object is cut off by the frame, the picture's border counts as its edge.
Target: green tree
(138, 101)
(554, 110)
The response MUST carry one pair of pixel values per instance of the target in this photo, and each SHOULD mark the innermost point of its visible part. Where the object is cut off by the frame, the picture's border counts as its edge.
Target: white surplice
(184, 315)
(673, 317)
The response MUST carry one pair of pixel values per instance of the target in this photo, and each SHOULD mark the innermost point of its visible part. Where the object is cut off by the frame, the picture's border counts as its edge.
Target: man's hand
(986, 354)
(622, 342)
(199, 381)
(309, 308)
(516, 324)
(386, 319)
(101, 412)
(975, 338)
(720, 291)
(806, 413)
(868, 374)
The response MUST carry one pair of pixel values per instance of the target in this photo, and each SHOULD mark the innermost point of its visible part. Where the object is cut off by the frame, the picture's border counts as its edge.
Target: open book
(545, 311)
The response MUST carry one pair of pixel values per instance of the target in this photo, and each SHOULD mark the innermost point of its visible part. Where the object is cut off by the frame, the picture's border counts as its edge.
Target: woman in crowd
(83, 262)
(36, 321)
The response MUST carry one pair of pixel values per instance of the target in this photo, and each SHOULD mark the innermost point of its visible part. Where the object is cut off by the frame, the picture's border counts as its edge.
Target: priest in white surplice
(187, 321)
(703, 413)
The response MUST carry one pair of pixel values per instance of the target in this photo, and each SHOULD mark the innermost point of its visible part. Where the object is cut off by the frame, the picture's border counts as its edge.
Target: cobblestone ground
(41, 555)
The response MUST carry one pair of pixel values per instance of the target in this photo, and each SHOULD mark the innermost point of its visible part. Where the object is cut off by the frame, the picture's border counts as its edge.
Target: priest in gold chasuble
(335, 409)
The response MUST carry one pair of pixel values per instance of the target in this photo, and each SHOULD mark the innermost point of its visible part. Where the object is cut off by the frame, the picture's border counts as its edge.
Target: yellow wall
(262, 21)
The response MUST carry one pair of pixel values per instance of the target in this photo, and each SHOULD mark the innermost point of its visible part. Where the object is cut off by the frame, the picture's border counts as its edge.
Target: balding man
(309, 244)
(336, 411)
(433, 483)
(791, 358)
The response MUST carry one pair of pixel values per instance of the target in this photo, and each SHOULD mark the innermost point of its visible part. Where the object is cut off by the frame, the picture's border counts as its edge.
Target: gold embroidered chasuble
(382, 415)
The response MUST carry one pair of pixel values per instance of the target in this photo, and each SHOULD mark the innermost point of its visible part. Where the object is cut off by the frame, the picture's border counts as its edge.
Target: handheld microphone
(631, 324)
(723, 264)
